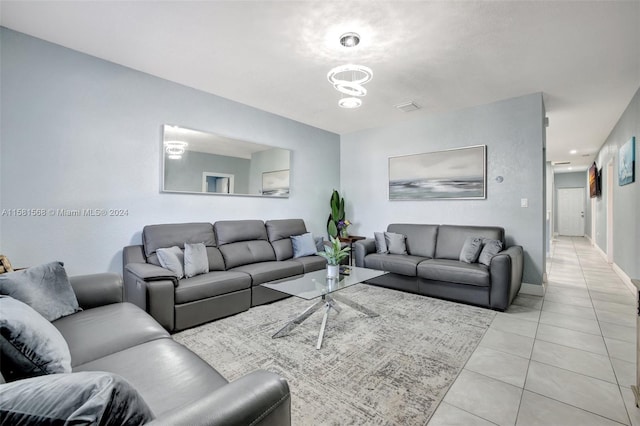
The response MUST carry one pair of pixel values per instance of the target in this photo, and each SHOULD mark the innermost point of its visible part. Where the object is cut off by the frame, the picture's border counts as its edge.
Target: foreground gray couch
(242, 255)
(431, 266)
(177, 385)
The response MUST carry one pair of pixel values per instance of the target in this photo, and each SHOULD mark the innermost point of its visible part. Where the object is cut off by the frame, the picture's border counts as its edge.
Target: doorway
(571, 211)
(219, 183)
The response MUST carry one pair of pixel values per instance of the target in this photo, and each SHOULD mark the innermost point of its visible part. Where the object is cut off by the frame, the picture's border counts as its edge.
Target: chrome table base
(328, 302)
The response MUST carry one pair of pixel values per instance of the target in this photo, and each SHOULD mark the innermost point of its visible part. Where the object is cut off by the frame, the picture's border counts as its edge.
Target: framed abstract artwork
(627, 162)
(455, 174)
(275, 183)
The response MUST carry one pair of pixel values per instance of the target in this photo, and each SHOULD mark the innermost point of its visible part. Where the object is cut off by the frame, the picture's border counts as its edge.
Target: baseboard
(624, 277)
(588, 237)
(602, 253)
(532, 289)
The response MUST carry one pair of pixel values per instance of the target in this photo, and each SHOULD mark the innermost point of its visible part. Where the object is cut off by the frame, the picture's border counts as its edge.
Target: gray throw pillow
(46, 288)
(381, 243)
(84, 398)
(303, 245)
(470, 249)
(395, 243)
(319, 243)
(196, 261)
(29, 344)
(490, 249)
(172, 259)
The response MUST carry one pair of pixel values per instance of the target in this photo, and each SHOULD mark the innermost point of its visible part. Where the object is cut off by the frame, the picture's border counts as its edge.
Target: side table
(350, 240)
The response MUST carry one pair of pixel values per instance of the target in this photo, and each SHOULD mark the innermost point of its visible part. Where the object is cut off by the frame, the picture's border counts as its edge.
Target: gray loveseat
(242, 255)
(177, 385)
(432, 267)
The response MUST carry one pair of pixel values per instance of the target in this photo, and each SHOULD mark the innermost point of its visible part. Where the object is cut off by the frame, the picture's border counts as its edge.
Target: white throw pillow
(381, 243)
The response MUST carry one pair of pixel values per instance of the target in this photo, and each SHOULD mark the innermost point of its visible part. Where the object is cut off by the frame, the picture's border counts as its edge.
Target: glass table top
(315, 284)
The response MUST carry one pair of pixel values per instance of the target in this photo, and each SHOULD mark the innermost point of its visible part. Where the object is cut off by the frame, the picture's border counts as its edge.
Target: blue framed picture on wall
(627, 162)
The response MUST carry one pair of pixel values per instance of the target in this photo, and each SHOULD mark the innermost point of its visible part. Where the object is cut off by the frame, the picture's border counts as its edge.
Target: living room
(85, 99)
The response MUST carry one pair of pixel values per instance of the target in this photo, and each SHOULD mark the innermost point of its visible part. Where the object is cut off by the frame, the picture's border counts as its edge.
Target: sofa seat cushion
(454, 271)
(166, 374)
(263, 272)
(402, 264)
(311, 263)
(210, 285)
(101, 331)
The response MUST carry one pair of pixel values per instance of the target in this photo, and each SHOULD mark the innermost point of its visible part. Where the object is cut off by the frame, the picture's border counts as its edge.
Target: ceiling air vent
(408, 106)
(560, 163)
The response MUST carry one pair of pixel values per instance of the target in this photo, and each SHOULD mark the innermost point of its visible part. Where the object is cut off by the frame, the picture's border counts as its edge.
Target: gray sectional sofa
(432, 267)
(178, 386)
(242, 255)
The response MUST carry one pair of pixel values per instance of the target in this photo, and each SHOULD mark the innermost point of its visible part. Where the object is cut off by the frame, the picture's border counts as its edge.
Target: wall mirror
(207, 163)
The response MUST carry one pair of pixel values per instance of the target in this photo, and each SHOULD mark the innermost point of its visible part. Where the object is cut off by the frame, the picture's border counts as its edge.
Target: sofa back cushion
(242, 242)
(421, 239)
(280, 232)
(451, 238)
(177, 234)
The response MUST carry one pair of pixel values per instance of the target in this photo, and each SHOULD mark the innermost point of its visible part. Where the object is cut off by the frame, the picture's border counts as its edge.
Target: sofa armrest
(259, 398)
(362, 249)
(148, 272)
(506, 277)
(152, 288)
(97, 289)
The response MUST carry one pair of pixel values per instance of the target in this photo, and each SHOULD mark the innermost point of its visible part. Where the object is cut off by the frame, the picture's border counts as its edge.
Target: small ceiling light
(573, 151)
(175, 149)
(349, 103)
(350, 39)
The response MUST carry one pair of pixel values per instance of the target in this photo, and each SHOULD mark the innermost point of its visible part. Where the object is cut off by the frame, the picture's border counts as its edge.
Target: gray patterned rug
(391, 369)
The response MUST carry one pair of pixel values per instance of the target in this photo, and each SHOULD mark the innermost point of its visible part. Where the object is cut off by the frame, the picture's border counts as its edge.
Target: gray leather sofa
(177, 385)
(242, 255)
(432, 267)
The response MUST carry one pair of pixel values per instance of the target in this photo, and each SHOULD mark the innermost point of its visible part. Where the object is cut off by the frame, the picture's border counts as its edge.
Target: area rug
(390, 369)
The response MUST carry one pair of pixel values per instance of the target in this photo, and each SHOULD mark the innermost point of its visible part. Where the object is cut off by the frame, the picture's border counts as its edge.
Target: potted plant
(337, 214)
(334, 253)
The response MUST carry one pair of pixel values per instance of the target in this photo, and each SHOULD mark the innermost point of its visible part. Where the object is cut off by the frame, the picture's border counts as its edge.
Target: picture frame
(275, 183)
(453, 174)
(627, 162)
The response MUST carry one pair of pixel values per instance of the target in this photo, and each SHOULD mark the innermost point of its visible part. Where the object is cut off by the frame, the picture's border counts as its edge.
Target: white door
(571, 211)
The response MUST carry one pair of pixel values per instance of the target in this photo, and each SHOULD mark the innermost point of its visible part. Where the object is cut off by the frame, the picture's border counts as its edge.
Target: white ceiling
(212, 143)
(274, 55)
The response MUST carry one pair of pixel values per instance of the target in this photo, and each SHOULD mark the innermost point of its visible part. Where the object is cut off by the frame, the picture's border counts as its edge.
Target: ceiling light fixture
(348, 79)
(175, 149)
(573, 151)
(350, 39)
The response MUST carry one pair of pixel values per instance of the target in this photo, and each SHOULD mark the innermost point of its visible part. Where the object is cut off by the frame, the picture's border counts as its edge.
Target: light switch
(524, 202)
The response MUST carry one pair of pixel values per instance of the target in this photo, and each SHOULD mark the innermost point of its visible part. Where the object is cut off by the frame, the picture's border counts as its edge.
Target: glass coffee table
(313, 285)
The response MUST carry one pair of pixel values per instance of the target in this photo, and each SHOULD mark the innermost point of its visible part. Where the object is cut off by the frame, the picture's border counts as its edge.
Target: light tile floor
(568, 358)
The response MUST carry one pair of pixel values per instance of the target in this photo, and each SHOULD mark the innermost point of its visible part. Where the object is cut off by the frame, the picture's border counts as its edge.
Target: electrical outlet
(524, 202)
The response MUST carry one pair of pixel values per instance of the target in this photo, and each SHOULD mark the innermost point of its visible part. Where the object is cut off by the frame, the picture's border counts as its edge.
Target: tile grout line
(605, 343)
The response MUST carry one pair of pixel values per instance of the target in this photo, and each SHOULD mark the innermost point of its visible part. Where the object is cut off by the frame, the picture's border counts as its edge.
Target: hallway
(567, 358)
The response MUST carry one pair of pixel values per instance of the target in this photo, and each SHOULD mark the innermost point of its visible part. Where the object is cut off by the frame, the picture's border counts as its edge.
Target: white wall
(626, 199)
(513, 131)
(79, 132)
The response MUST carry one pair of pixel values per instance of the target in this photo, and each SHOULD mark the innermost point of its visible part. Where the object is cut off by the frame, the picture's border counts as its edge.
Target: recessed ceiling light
(570, 168)
(350, 39)
(573, 151)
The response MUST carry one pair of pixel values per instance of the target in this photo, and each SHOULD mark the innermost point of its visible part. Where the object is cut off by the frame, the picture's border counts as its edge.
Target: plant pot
(333, 271)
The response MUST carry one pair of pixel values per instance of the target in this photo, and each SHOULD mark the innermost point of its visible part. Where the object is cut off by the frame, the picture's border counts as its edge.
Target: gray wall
(185, 174)
(570, 180)
(513, 131)
(80, 132)
(626, 199)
